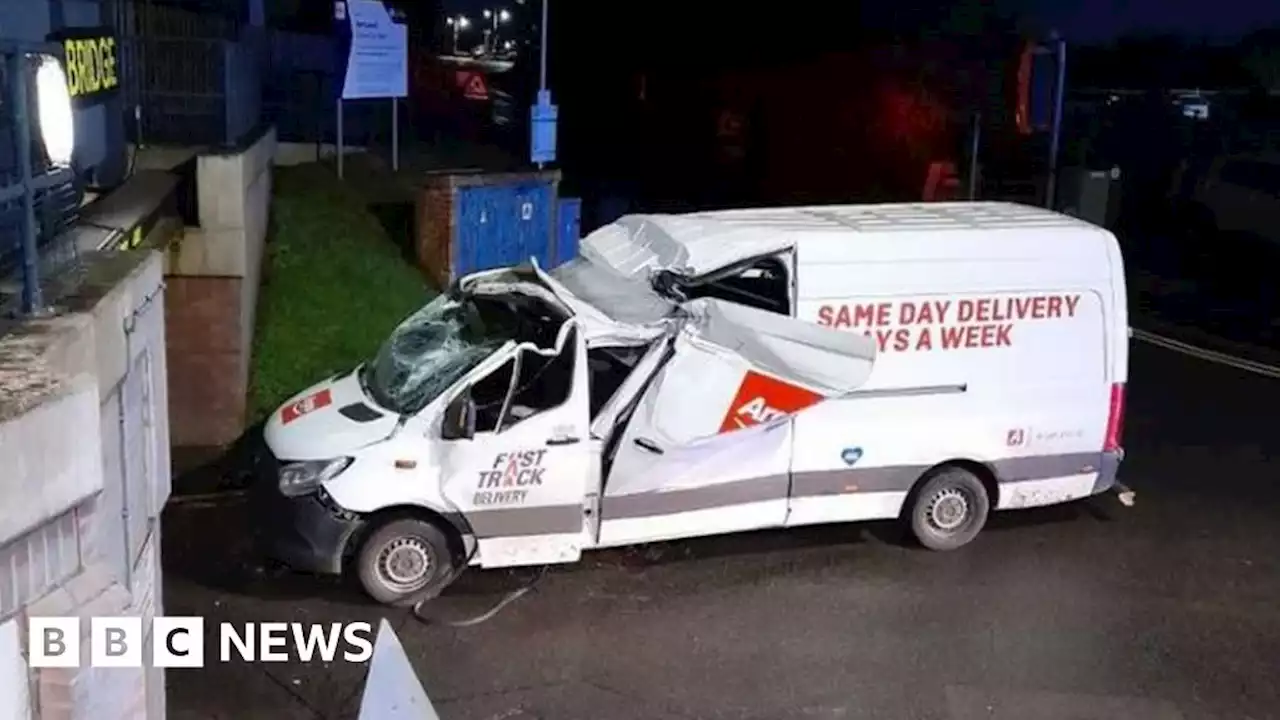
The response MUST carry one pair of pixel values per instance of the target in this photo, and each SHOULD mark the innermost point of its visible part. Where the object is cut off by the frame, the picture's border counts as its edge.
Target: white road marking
(1212, 356)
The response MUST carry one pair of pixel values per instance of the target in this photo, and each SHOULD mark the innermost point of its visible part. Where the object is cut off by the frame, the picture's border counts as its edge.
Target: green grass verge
(334, 285)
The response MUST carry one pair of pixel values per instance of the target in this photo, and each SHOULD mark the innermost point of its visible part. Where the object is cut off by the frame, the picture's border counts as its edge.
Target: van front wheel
(949, 509)
(404, 560)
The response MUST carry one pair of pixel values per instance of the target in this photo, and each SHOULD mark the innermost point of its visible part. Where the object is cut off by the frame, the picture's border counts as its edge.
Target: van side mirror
(459, 421)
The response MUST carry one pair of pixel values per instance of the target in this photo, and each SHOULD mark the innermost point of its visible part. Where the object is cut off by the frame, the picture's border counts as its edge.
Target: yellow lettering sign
(91, 65)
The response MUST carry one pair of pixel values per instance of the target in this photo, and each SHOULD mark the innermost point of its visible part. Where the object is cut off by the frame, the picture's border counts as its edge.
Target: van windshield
(433, 348)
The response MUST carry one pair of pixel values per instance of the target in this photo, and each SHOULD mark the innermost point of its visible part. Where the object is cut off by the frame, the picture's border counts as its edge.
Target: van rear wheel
(949, 509)
(405, 560)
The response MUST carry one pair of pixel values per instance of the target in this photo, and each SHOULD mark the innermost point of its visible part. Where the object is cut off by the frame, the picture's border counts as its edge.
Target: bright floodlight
(488, 14)
(463, 22)
(53, 100)
(504, 16)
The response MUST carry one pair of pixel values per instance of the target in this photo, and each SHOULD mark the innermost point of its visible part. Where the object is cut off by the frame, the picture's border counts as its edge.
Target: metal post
(542, 55)
(973, 155)
(1056, 131)
(542, 48)
(32, 297)
(137, 126)
(395, 134)
(339, 144)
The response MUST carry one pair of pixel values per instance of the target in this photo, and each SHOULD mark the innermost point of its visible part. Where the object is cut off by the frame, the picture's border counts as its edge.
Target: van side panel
(1003, 362)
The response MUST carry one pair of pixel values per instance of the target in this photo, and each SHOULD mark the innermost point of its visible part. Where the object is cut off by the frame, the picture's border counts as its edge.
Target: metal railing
(191, 73)
(201, 74)
(192, 90)
(39, 261)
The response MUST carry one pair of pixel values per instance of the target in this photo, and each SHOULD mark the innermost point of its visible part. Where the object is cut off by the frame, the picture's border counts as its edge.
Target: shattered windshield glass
(432, 349)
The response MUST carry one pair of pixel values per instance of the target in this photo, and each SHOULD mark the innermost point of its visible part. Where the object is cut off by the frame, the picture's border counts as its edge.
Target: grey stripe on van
(667, 502)
(521, 521)
(897, 478)
(517, 521)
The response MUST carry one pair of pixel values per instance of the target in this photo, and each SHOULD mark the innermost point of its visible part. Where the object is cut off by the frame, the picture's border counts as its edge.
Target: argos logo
(761, 398)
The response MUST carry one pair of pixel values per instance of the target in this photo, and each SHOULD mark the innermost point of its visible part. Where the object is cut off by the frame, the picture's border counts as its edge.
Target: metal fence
(191, 75)
(174, 89)
(300, 86)
(39, 260)
(192, 90)
(205, 76)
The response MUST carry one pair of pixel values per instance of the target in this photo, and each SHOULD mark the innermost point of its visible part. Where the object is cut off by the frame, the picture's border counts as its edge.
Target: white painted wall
(15, 690)
(41, 468)
(69, 473)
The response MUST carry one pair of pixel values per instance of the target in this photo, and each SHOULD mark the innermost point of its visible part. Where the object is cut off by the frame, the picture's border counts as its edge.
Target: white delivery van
(712, 373)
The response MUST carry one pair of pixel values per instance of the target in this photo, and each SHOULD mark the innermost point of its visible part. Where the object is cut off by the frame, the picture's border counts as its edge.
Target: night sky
(1101, 20)
(1079, 20)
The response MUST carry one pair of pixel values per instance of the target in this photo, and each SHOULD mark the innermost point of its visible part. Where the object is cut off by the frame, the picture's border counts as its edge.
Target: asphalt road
(1166, 611)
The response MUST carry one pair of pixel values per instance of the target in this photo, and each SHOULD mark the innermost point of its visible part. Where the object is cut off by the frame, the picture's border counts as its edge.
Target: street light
(495, 18)
(458, 23)
(53, 110)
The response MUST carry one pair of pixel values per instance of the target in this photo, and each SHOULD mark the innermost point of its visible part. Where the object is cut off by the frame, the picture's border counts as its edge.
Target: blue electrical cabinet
(476, 221)
(568, 230)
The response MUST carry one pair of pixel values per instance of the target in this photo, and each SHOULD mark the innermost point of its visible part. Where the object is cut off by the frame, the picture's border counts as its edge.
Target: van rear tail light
(1115, 419)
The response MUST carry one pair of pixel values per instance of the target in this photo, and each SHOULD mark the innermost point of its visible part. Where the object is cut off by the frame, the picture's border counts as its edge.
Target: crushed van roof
(698, 243)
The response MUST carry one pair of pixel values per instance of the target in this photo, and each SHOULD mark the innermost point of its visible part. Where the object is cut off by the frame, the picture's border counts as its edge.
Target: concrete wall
(161, 157)
(296, 153)
(83, 433)
(213, 277)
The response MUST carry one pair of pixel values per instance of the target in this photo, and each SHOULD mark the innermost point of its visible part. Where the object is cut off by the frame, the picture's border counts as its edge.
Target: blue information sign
(376, 58)
(542, 129)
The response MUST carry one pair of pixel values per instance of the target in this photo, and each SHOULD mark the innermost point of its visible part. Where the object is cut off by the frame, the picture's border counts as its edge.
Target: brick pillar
(205, 355)
(433, 230)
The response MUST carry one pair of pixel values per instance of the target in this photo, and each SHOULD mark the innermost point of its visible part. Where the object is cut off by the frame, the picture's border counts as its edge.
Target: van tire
(404, 561)
(949, 509)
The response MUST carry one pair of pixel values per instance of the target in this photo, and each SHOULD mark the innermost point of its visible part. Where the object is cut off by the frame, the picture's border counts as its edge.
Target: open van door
(517, 455)
(707, 448)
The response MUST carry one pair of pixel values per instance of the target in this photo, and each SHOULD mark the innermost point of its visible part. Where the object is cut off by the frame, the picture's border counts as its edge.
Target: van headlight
(302, 478)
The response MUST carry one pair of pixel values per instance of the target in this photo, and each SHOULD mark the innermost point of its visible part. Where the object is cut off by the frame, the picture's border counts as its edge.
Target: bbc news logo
(179, 642)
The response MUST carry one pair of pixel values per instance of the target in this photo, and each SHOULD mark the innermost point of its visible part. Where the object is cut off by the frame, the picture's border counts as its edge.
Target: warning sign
(949, 324)
(942, 183)
(473, 86)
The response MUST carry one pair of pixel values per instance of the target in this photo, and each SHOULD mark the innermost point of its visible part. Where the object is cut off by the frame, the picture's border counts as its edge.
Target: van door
(707, 446)
(522, 480)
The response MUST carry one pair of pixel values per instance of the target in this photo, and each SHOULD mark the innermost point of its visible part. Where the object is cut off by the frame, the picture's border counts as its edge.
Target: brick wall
(213, 276)
(433, 223)
(207, 379)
